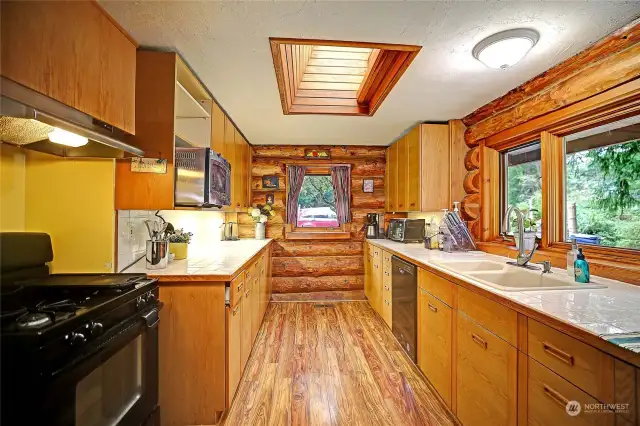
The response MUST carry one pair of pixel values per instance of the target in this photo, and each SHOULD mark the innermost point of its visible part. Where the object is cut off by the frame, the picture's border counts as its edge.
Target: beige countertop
(224, 260)
(601, 312)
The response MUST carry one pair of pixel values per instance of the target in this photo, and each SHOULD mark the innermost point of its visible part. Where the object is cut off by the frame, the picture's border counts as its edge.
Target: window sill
(341, 233)
(609, 265)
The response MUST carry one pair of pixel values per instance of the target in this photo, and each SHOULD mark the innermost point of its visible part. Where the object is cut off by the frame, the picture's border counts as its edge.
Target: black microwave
(406, 230)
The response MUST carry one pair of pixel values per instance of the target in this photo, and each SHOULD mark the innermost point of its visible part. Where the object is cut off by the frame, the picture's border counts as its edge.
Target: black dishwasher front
(404, 304)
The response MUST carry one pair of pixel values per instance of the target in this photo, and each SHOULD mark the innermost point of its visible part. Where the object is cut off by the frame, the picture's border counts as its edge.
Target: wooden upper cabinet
(418, 173)
(71, 51)
(217, 129)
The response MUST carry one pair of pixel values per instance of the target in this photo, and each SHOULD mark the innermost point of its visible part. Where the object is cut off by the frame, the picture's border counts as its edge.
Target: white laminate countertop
(224, 260)
(602, 312)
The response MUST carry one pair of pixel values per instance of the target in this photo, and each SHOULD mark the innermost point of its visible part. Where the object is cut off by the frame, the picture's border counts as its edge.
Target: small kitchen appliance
(77, 349)
(374, 226)
(406, 230)
(203, 178)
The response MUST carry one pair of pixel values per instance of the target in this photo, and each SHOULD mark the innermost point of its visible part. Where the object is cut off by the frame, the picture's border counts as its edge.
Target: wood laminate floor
(331, 364)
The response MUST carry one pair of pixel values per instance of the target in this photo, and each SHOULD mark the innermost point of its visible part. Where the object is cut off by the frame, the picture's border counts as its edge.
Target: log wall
(308, 266)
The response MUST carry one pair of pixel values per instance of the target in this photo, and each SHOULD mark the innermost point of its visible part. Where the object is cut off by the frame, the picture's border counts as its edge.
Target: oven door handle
(152, 318)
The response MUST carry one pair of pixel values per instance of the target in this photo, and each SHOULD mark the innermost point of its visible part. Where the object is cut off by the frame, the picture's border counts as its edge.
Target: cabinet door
(413, 170)
(435, 181)
(486, 376)
(391, 179)
(548, 396)
(434, 343)
(234, 357)
(249, 173)
(376, 284)
(230, 156)
(217, 129)
(246, 340)
(368, 282)
(237, 171)
(402, 173)
(71, 52)
(256, 320)
(387, 314)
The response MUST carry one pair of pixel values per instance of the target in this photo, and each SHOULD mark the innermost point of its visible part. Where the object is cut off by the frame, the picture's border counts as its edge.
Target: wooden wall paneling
(312, 265)
(155, 112)
(489, 198)
(457, 163)
(436, 152)
(591, 80)
(614, 42)
(552, 165)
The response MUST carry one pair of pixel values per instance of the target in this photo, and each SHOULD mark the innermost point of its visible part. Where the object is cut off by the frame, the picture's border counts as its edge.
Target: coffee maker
(374, 226)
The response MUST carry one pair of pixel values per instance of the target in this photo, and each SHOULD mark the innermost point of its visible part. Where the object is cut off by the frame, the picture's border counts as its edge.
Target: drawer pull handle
(555, 395)
(433, 308)
(235, 310)
(479, 340)
(240, 286)
(386, 287)
(386, 273)
(376, 266)
(557, 353)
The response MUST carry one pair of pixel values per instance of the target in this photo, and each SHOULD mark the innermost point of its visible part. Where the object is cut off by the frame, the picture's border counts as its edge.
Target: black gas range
(77, 349)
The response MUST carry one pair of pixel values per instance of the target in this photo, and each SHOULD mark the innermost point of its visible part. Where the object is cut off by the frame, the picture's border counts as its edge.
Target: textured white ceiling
(227, 45)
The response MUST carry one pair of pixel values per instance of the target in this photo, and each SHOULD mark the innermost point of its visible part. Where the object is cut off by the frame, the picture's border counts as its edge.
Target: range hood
(27, 117)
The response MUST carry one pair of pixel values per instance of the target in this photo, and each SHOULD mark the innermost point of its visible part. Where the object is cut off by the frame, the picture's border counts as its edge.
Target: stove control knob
(76, 339)
(140, 302)
(95, 329)
(150, 298)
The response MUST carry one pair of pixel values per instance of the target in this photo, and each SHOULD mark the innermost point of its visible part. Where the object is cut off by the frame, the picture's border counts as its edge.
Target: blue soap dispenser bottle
(581, 267)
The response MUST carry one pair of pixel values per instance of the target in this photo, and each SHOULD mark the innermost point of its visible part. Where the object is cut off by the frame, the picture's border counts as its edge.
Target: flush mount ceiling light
(506, 48)
(64, 137)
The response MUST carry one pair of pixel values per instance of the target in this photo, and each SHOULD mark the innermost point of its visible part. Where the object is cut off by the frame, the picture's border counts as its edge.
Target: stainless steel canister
(157, 254)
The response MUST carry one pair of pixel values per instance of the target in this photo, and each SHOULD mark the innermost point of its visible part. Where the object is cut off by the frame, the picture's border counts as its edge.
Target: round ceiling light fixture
(506, 48)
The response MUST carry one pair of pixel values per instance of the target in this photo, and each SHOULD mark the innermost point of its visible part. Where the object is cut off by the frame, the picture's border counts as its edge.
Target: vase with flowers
(260, 215)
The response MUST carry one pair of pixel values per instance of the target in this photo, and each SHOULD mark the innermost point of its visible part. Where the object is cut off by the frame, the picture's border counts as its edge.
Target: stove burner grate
(34, 320)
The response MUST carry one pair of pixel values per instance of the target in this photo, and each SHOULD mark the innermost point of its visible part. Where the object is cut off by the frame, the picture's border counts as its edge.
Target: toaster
(406, 230)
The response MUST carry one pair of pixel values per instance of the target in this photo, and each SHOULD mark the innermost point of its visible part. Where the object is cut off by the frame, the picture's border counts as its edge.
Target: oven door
(116, 385)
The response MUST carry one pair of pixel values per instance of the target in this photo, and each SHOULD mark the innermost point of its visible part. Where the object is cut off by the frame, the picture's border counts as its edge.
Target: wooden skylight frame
(337, 77)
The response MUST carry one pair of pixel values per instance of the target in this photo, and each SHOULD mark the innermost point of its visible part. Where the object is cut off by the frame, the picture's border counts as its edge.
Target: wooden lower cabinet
(486, 387)
(548, 396)
(246, 338)
(434, 342)
(234, 359)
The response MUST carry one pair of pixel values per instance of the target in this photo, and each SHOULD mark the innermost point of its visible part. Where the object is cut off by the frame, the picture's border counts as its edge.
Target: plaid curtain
(295, 177)
(341, 180)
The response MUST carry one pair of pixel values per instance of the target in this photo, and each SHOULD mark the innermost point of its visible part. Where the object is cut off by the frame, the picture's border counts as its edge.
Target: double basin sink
(503, 276)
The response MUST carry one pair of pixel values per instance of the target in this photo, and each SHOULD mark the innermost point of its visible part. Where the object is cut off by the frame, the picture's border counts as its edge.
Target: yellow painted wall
(72, 200)
(12, 188)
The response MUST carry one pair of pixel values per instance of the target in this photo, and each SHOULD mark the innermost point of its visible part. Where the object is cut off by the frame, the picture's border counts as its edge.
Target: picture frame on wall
(367, 185)
(270, 182)
(270, 198)
(317, 154)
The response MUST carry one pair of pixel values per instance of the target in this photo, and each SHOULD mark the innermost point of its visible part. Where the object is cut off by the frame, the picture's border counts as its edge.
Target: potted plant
(179, 243)
(260, 215)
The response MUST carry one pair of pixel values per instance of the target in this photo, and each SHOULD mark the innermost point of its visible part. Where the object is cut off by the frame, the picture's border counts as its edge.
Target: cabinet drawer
(386, 274)
(585, 366)
(434, 342)
(386, 259)
(493, 316)
(377, 253)
(548, 396)
(486, 385)
(437, 286)
(386, 307)
(237, 288)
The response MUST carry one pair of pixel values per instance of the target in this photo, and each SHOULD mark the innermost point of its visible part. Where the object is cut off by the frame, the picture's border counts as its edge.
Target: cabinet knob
(433, 308)
(235, 310)
(479, 340)
(240, 286)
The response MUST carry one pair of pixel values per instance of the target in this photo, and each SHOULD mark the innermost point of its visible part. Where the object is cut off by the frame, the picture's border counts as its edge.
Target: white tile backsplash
(133, 233)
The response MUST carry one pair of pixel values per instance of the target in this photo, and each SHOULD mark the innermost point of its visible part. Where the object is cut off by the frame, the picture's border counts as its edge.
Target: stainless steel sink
(513, 278)
(464, 266)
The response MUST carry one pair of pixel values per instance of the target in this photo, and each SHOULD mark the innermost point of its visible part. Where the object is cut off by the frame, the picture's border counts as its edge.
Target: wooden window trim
(343, 232)
(613, 105)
